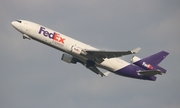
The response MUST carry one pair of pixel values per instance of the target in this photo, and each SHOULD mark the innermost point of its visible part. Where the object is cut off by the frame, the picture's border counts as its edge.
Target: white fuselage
(64, 43)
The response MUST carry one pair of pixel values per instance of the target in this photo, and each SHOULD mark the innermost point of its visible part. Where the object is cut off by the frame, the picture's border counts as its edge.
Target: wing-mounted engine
(89, 64)
(69, 59)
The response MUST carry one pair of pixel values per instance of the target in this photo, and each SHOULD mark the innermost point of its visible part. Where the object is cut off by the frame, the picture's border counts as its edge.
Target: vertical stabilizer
(155, 59)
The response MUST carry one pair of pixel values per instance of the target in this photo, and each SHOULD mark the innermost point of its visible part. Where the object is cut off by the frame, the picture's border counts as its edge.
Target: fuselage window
(18, 21)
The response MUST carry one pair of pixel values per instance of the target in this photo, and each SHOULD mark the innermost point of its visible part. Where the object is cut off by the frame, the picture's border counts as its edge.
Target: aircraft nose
(13, 24)
(16, 24)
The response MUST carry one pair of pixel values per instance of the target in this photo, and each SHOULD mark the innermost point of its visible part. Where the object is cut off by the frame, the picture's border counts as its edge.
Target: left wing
(109, 54)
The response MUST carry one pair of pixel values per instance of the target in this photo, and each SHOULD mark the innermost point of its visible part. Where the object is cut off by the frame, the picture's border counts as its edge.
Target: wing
(109, 54)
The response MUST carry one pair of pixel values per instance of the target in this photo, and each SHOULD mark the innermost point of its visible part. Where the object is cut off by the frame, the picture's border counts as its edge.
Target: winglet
(134, 51)
(106, 73)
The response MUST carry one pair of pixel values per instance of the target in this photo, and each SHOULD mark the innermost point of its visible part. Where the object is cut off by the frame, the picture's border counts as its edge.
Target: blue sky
(33, 75)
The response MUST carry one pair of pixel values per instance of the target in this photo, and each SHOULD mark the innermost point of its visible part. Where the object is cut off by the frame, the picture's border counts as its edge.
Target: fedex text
(148, 66)
(55, 36)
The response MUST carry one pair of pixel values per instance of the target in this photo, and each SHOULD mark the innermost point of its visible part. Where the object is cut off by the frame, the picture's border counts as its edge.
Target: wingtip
(106, 73)
(136, 50)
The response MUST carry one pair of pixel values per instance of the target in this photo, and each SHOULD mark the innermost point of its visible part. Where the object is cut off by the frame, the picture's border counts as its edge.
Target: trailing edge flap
(110, 54)
(97, 71)
(149, 72)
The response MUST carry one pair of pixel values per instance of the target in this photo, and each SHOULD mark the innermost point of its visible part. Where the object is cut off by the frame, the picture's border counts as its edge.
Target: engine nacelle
(68, 58)
(135, 59)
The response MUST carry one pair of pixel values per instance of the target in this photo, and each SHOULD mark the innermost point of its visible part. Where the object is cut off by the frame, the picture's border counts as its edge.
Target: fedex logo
(76, 49)
(55, 36)
(148, 66)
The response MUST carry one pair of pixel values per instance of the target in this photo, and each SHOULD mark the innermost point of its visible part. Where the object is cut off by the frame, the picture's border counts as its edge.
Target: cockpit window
(18, 21)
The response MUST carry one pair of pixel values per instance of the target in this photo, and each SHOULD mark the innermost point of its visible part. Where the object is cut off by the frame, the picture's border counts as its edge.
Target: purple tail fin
(151, 62)
(155, 59)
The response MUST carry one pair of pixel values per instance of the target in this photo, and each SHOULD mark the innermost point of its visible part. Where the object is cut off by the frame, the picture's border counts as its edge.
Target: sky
(32, 75)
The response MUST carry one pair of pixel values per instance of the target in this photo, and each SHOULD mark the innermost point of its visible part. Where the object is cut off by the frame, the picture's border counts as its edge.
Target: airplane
(91, 57)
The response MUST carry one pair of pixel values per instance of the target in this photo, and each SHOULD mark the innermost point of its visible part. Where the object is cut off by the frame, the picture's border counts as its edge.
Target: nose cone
(17, 24)
(14, 24)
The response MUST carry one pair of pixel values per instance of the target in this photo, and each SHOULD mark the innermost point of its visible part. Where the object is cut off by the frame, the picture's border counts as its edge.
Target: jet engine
(68, 58)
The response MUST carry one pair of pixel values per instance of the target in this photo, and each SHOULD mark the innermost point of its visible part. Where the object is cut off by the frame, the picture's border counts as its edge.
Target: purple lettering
(51, 35)
(41, 30)
(46, 33)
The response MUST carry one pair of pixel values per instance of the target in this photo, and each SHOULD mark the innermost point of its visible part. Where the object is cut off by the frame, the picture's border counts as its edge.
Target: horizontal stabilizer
(150, 72)
(151, 62)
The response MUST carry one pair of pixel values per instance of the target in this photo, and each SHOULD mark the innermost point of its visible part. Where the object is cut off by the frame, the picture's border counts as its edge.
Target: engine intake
(68, 58)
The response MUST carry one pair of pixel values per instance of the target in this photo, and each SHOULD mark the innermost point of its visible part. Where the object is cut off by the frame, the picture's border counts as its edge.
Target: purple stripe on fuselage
(131, 71)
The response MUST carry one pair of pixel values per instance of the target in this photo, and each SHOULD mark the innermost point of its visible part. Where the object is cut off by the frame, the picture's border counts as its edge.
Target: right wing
(91, 54)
